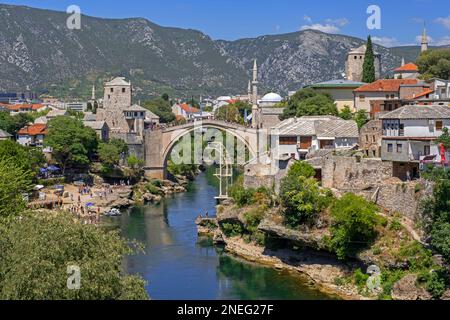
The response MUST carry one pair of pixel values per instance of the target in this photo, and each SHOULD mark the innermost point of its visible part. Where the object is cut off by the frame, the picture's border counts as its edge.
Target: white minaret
(403, 61)
(93, 93)
(424, 39)
(255, 109)
(249, 91)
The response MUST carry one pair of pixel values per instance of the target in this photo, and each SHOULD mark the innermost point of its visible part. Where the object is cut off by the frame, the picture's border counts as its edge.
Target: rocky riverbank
(306, 252)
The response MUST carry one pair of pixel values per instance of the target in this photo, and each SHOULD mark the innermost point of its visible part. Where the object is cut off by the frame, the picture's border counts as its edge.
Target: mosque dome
(272, 97)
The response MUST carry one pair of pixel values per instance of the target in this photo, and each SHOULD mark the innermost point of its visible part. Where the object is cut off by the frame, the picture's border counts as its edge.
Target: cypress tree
(369, 63)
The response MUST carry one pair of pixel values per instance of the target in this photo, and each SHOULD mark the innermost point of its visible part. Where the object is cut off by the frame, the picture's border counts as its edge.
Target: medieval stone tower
(355, 63)
(116, 100)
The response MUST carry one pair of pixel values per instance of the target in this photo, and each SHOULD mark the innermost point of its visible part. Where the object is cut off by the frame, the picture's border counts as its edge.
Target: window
(387, 96)
(426, 150)
(124, 90)
(392, 96)
(390, 147)
(367, 138)
(362, 98)
(111, 90)
(288, 141)
(374, 139)
(109, 96)
(356, 57)
(305, 142)
(439, 125)
(399, 148)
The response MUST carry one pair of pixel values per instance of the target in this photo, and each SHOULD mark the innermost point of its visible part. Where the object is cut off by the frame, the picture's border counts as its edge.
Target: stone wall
(370, 139)
(349, 173)
(374, 179)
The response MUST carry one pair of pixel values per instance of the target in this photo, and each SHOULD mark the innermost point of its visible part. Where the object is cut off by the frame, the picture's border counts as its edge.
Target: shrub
(354, 223)
(254, 217)
(232, 230)
(303, 200)
(241, 195)
(360, 278)
(395, 225)
(440, 239)
(150, 187)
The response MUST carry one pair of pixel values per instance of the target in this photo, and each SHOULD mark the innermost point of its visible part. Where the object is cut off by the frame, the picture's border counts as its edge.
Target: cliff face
(37, 50)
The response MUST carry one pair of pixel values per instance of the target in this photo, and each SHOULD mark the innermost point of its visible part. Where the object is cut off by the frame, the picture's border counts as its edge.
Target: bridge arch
(160, 143)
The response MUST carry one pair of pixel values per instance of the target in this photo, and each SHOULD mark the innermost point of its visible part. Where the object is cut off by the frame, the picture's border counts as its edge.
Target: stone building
(370, 139)
(355, 63)
(117, 98)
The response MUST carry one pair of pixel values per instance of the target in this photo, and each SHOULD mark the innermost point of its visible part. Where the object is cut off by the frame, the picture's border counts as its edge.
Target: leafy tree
(444, 139)
(242, 196)
(73, 144)
(14, 181)
(12, 124)
(369, 75)
(303, 200)
(354, 224)
(27, 158)
(165, 97)
(308, 102)
(109, 155)
(440, 238)
(161, 108)
(346, 113)
(301, 196)
(38, 249)
(229, 113)
(435, 63)
(361, 118)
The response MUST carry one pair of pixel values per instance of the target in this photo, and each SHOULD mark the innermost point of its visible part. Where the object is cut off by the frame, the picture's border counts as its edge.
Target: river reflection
(178, 265)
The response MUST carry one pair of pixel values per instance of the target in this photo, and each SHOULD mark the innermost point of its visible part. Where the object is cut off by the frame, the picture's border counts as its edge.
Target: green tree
(308, 102)
(38, 249)
(109, 155)
(369, 75)
(161, 108)
(73, 144)
(303, 200)
(27, 158)
(434, 63)
(14, 181)
(354, 224)
(346, 113)
(444, 139)
(165, 97)
(12, 124)
(229, 113)
(361, 118)
(301, 196)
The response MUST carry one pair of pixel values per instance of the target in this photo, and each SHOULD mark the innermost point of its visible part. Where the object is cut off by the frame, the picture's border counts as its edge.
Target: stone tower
(116, 99)
(424, 46)
(355, 63)
(255, 109)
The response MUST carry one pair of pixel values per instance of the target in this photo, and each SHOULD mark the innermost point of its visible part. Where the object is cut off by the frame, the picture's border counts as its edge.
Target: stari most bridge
(160, 142)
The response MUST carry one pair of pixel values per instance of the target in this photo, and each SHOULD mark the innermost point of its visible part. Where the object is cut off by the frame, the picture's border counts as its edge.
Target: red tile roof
(18, 107)
(187, 108)
(387, 85)
(408, 67)
(423, 94)
(33, 130)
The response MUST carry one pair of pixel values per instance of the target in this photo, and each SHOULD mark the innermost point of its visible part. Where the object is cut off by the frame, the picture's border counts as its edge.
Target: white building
(300, 137)
(409, 133)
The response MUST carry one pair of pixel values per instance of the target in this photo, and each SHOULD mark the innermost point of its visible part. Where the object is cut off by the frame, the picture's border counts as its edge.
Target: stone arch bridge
(160, 142)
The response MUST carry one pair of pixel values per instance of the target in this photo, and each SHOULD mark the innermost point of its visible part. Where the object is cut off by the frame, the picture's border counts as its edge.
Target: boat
(113, 213)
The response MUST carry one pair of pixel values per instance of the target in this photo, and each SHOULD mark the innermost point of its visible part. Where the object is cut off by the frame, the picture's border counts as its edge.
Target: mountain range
(38, 52)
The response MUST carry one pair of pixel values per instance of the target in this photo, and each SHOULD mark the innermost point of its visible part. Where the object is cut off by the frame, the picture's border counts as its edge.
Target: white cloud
(386, 41)
(327, 28)
(341, 22)
(444, 21)
(307, 18)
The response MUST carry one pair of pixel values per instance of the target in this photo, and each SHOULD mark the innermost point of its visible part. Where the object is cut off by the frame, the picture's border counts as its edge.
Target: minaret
(93, 93)
(255, 110)
(424, 39)
(403, 61)
(249, 91)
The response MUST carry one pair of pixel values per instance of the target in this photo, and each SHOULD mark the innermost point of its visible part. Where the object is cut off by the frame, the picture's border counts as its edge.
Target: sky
(402, 21)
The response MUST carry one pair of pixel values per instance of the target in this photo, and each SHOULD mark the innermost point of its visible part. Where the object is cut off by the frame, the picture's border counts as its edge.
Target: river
(179, 266)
